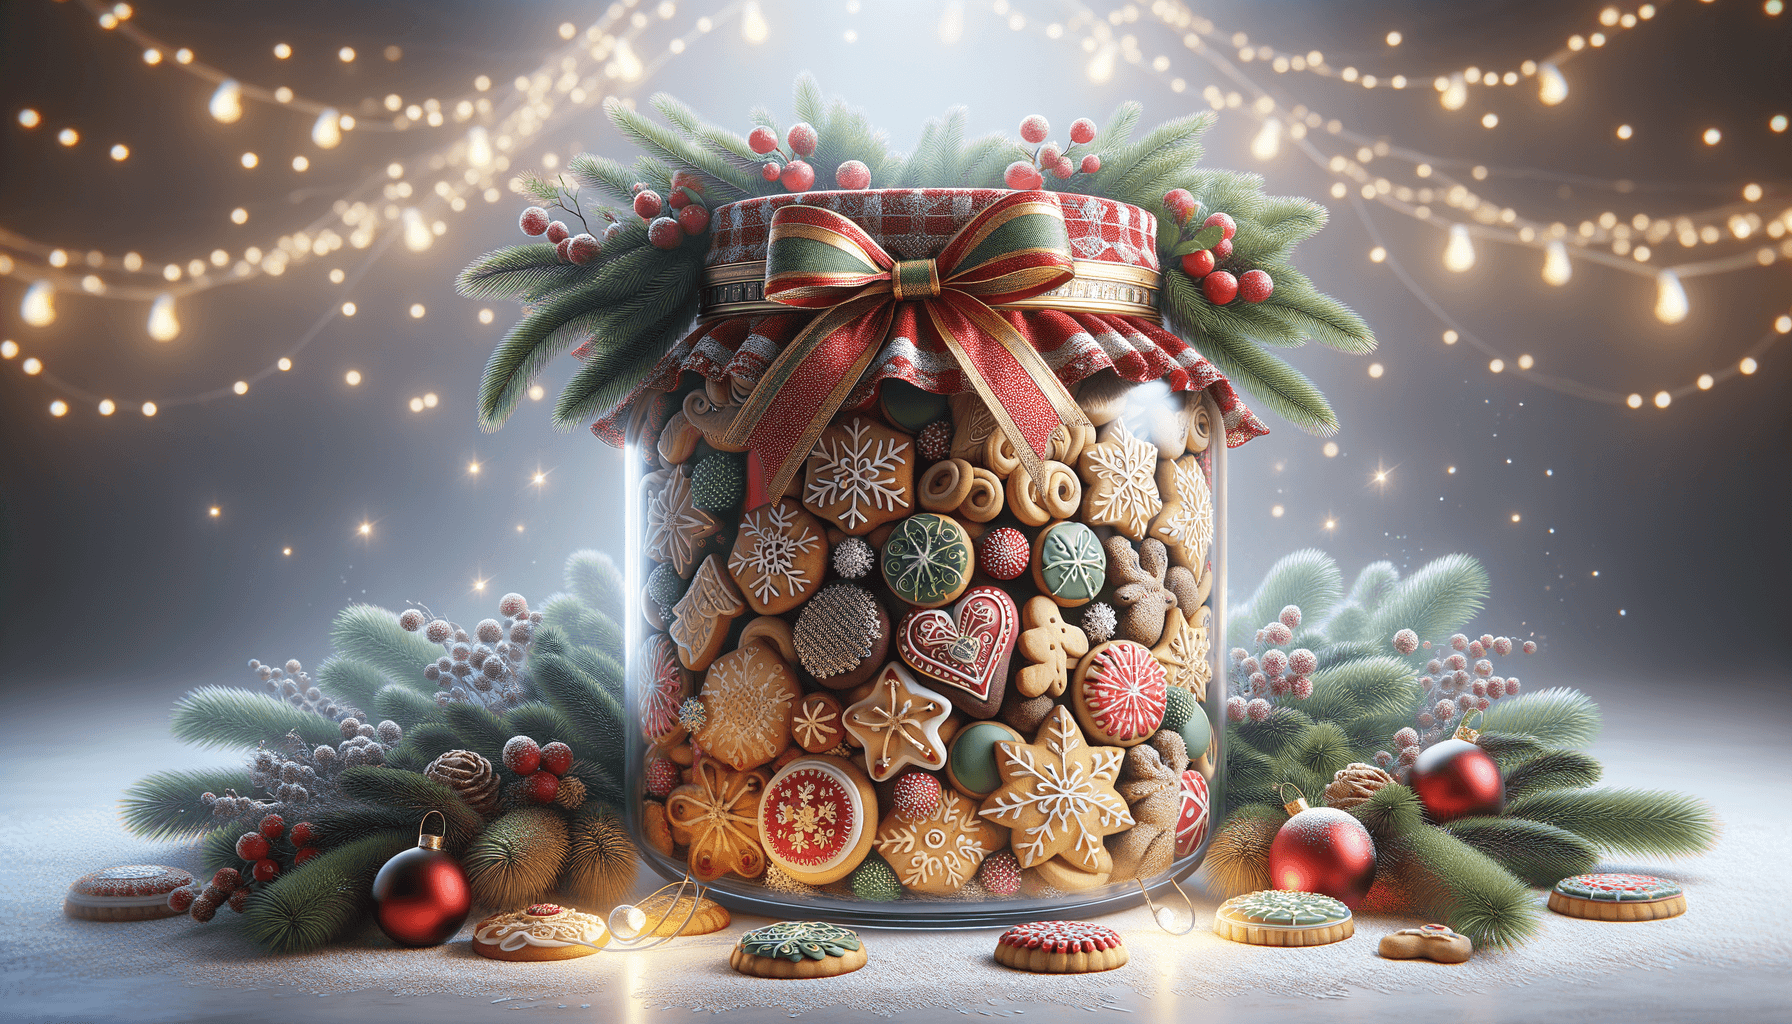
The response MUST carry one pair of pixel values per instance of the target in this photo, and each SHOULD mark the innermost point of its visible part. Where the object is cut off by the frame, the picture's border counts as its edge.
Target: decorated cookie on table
(1617, 897)
(964, 651)
(666, 915)
(1437, 942)
(1061, 947)
(544, 931)
(798, 949)
(131, 892)
(1283, 917)
(817, 819)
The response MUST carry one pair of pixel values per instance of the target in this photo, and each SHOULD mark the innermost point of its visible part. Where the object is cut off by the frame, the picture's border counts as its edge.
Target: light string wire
(640, 73)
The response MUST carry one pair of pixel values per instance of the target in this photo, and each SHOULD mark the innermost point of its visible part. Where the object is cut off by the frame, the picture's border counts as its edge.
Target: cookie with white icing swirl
(545, 931)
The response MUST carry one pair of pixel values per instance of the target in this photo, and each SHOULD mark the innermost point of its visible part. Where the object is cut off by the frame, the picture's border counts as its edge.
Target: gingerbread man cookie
(860, 475)
(1437, 942)
(940, 851)
(716, 815)
(1120, 478)
(1140, 597)
(1051, 646)
(749, 699)
(898, 724)
(703, 616)
(779, 556)
(1057, 795)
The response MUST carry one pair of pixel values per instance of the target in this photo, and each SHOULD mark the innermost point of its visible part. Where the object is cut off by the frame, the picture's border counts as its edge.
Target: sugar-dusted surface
(1728, 957)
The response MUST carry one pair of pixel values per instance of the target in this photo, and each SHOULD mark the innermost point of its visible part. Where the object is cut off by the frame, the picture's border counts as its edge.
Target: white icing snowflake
(743, 711)
(949, 844)
(769, 561)
(676, 529)
(1187, 521)
(1071, 791)
(857, 470)
(1128, 465)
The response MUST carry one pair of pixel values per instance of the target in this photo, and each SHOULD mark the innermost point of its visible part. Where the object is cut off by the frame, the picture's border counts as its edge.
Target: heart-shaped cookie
(966, 650)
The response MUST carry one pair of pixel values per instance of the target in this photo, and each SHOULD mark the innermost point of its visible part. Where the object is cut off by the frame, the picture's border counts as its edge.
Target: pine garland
(166, 805)
(372, 635)
(404, 705)
(224, 716)
(1536, 853)
(429, 741)
(1558, 716)
(1557, 769)
(323, 899)
(416, 795)
(478, 730)
(1629, 821)
(592, 576)
(517, 859)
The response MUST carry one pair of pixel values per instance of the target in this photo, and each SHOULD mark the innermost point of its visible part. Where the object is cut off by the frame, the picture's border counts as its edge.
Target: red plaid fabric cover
(916, 224)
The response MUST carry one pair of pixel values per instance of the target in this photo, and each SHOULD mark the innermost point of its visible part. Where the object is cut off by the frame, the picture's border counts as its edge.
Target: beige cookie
(1201, 422)
(1067, 877)
(773, 632)
(656, 826)
(1183, 651)
(1283, 917)
(678, 439)
(955, 487)
(941, 851)
(798, 949)
(683, 915)
(1151, 785)
(1140, 597)
(1186, 523)
(860, 475)
(703, 616)
(716, 815)
(1061, 947)
(972, 425)
(749, 698)
(1062, 496)
(1437, 942)
(1120, 482)
(817, 727)
(1057, 796)
(545, 931)
(898, 724)
(712, 409)
(1051, 647)
(676, 531)
(780, 555)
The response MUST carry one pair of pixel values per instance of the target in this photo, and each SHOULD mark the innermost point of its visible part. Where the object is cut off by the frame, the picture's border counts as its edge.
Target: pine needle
(1434, 601)
(429, 741)
(516, 860)
(592, 576)
(1536, 853)
(225, 716)
(1237, 858)
(1557, 769)
(478, 730)
(166, 805)
(322, 899)
(1373, 584)
(416, 794)
(350, 681)
(1630, 821)
(1274, 734)
(405, 706)
(601, 861)
(1429, 873)
(1557, 717)
(1322, 750)
(593, 711)
(1374, 685)
(582, 625)
(342, 826)
(1390, 812)
(372, 634)
(1308, 578)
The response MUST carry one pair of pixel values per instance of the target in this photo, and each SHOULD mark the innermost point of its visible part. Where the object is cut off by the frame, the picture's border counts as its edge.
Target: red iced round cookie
(1120, 690)
(1191, 818)
(132, 892)
(817, 819)
(1060, 947)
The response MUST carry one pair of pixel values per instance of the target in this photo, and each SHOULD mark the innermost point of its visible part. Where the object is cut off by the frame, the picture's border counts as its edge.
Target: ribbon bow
(816, 259)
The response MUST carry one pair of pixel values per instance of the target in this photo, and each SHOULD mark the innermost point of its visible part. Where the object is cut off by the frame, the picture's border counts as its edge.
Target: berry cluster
(265, 852)
(1269, 674)
(542, 768)
(581, 248)
(796, 173)
(670, 219)
(1453, 684)
(1202, 261)
(1061, 162)
(484, 666)
(293, 685)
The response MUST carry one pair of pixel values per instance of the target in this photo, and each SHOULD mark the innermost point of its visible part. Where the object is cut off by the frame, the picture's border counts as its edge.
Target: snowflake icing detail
(1128, 465)
(948, 845)
(1068, 787)
(676, 529)
(770, 558)
(1187, 521)
(856, 470)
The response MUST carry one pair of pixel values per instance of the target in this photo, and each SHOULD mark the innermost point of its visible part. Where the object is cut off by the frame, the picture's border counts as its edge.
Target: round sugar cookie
(1617, 897)
(798, 949)
(1069, 565)
(667, 916)
(130, 892)
(1281, 917)
(545, 931)
(1118, 693)
(928, 559)
(818, 819)
(1061, 947)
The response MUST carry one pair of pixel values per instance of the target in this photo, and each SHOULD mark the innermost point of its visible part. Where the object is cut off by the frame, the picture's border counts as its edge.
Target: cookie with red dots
(133, 892)
(1061, 947)
(1004, 553)
(1617, 897)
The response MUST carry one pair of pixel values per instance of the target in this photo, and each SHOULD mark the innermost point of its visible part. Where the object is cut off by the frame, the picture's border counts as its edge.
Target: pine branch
(350, 681)
(405, 706)
(602, 785)
(1127, 164)
(344, 825)
(372, 634)
(166, 805)
(808, 101)
(601, 174)
(1429, 873)
(1308, 579)
(1310, 313)
(218, 849)
(1509, 748)
(1373, 584)
(722, 181)
(1558, 769)
(1349, 623)
(1391, 812)
(1536, 853)
(429, 741)
(544, 725)
(594, 712)
(1556, 717)
(1274, 734)
(515, 861)
(724, 144)
(582, 625)
(1116, 131)
(477, 730)
(1631, 821)
(1237, 858)
(1281, 224)
(518, 272)
(1247, 769)
(601, 861)
(1433, 601)
(1332, 655)
(415, 794)
(612, 375)
(321, 900)
(1323, 750)
(222, 716)
(1379, 685)
(1271, 381)
(592, 576)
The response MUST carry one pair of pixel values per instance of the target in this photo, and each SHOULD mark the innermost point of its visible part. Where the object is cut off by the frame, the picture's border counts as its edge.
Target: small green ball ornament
(719, 482)
(875, 880)
(1179, 707)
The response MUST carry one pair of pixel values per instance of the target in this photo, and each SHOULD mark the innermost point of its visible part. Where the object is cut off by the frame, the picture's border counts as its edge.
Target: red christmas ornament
(1322, 850)
(421, 896)
(1455, 778)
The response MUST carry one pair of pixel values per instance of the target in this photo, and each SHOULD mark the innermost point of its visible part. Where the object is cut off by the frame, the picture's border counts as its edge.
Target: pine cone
(469, 775)
(1355, 783)
(571, 793)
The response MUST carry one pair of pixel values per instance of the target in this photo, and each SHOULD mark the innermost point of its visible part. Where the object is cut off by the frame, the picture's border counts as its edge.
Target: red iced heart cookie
(965, 651)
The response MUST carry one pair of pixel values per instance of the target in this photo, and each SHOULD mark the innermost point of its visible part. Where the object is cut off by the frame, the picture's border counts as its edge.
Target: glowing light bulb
(32, 366)
(1748, 365)
(30, 118)
(628, 65)
(120, 151)
(1712, 136)
(365, 529)
(1634, 401)
(59, 408)
(1394, 38)
(1625, 131)
(353, 377)
(346, 55)
(1671, 306)
(537, 392)
(149, 408)
(430, 400)
(752, 24)
(283, 364)
(1268, 141)
(241, 387)
(1557, 268)
(1454, 93)
(326, 131)
(1663, 399)
(1705, 381)
(479, 147)
(1101, 67)
(107, 407)
(227, 102)
(417, 311)
(1459, 253)
(1552, 88)
(68, 136)
(163, 325)
(250, 160)
(37, 307)
(417, 236)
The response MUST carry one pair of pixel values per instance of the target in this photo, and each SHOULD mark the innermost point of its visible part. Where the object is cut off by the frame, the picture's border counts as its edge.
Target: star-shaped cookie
(1058, 796)
(899, 724)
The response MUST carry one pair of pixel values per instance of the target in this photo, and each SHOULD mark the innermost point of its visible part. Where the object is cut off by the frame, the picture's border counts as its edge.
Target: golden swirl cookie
(545, 931)
(716, 814)
(666, 916)
(945, 485)
(1062, 496)
(984, 501)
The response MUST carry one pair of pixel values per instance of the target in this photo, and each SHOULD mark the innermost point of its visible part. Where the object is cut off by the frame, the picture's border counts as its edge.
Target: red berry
(612, 231)
(770, 171)
(1220, 287)
(1222, 249)
(204, 910)
(1230, 226)
(556, 757)
(273, 826)
(798, 176)
(915, 796)
(266, 870)
(1035, 128)
(582, 249)
(303, 854)
(1082, 130)
(1064, 168)
(180, 899)
(226, 879)
(853, 174)
(1255, 286)
(1198, 264)
(693, 219)
(762, 140)
(541, 787)
(637, 186)
(1049, 154)
(522, 755)
(1022, 176)
(665, 233)
(252, 846)
(1177, 200)
(1091, 164)
(563, 249)
(647, 204)
(679, 199)
(239, 900)
(801, 138)
(683, 179)
(534, 221)
(557, 232)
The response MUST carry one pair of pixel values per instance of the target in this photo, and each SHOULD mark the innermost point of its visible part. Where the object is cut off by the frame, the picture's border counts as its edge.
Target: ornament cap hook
(1296, 805)
(1466, 734)
(426, 840)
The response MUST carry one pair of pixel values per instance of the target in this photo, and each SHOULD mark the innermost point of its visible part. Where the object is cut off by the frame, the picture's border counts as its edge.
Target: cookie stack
(916, 602)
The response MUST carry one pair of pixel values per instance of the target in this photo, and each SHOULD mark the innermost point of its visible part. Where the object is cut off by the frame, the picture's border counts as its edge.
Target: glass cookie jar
(889, 669)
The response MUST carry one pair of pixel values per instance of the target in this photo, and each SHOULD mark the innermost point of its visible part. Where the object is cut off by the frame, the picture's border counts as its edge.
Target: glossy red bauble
(1323, 850)
(1457, 779)
(421, 897)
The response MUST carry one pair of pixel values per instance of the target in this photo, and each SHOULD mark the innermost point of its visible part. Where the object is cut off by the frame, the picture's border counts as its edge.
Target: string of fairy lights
(602, 62)
(491, 125)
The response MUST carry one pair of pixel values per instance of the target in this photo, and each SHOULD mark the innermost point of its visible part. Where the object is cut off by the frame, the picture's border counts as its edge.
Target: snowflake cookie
(860, 475)
(898, 724)
(779, 556)
(676, 530)
(1186, 523)
(1057, 795)
(940, 852)
(1120, 474)
(749, 699)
